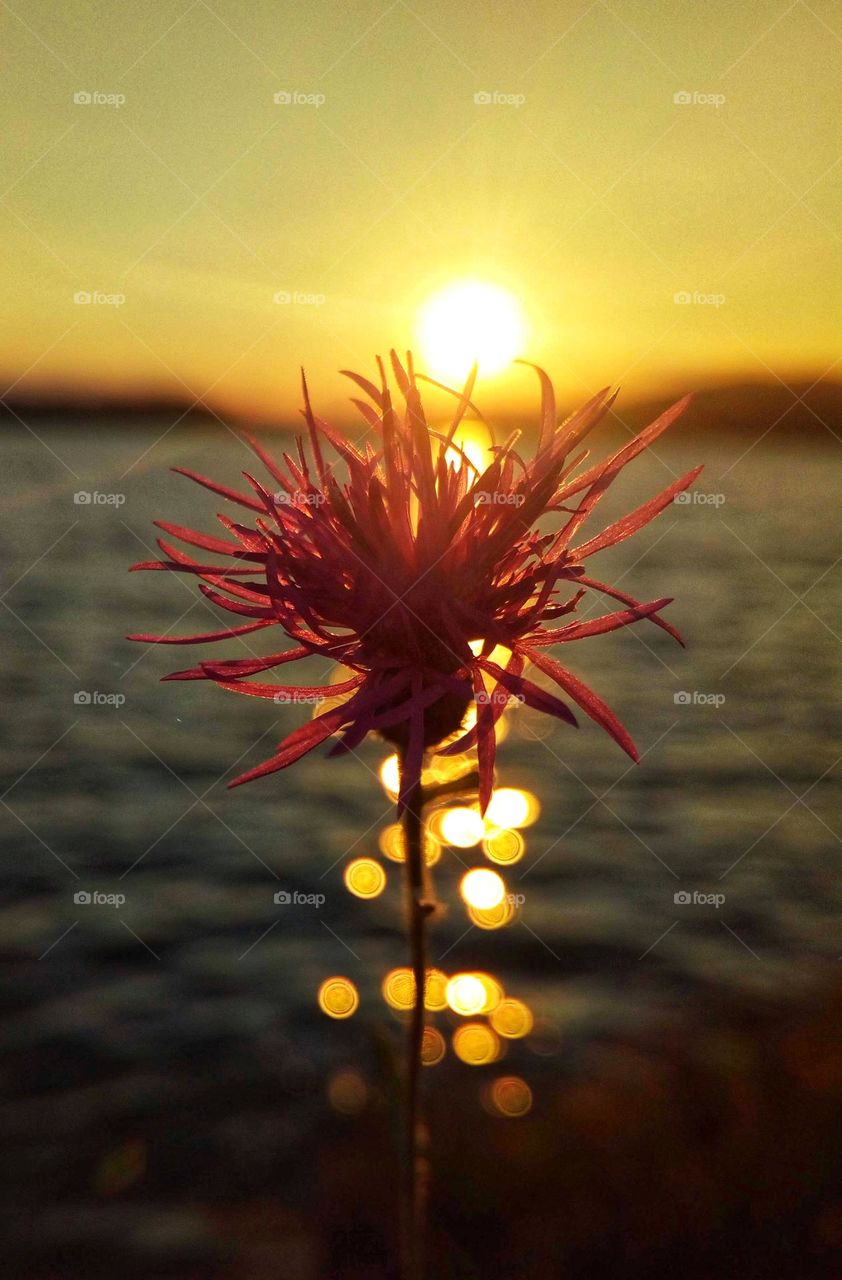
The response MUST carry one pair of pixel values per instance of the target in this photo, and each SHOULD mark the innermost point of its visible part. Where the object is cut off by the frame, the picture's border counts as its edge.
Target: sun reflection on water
(485, 1020)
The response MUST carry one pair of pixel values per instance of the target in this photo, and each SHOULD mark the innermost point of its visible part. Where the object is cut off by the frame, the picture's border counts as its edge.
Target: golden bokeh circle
(365, 878)
(466, 994)
(460, 827)
(476, 1044)
(435, 990)
(399, 989)
(512, 807)
(493, 992)
(497, 918)
(504, 846)
(390, 776)
(391, 843)
(482, 888)
(338, 997)
(512, 1019)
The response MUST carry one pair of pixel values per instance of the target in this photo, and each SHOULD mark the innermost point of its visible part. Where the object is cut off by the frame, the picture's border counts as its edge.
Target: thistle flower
(415, 571)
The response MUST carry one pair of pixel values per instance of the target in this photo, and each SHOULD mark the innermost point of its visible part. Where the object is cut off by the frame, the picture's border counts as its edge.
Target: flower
(394, 572)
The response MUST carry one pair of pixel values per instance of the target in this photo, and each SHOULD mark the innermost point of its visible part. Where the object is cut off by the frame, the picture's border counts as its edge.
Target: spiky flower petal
(395, 570)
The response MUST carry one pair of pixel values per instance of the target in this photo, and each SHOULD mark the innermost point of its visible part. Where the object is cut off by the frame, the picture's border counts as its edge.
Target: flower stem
(416, 1172)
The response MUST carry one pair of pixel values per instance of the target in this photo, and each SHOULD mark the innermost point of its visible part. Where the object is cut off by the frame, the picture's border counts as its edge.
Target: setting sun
(467, 322)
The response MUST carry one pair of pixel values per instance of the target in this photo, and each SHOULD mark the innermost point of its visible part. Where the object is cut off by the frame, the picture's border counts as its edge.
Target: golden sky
(630, 152)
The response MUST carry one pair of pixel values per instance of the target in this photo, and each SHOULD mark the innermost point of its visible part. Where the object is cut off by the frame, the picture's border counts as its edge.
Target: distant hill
(58, 408)
(797, 409)
(735, 410)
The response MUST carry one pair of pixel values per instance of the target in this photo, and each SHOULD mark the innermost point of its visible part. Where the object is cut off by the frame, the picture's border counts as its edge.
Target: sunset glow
(470, 322)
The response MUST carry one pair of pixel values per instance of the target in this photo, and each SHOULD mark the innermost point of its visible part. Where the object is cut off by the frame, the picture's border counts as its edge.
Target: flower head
(415, 572)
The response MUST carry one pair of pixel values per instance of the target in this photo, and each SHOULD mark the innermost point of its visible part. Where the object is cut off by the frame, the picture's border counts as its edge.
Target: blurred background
(196, 200)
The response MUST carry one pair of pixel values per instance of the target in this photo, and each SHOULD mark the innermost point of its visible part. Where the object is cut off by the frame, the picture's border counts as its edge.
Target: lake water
(199, 991)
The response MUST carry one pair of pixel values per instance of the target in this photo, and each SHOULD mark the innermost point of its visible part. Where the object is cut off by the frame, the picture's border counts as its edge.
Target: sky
(655, 186)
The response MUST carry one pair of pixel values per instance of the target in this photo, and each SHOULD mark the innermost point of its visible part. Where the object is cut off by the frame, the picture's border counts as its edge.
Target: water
(199, 991)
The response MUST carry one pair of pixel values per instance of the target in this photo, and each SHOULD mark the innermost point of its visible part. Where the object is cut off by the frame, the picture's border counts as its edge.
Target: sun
(470, 321)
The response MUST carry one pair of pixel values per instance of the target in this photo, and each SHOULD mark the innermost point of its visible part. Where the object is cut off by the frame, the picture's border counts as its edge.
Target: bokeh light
(482, 888)
(392, 846)
(509, 1096)
(451, 768)
(466, 994)
(435, 990)
(390, 776)
(461, 827)
(399, 988)
(493, 992)
(391, 842)
(511, 807)
(512, 1019)
(494, 918)
(347, 1092)
(365, 878)
(476, 1044)
(504, 847)
(338, 997)
(433, 1047)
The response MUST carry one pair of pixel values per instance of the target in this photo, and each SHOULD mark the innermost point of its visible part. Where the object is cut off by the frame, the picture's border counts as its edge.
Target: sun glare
(466, 322)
